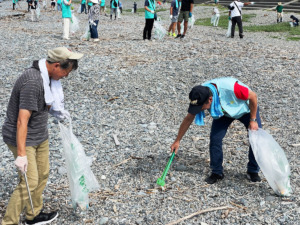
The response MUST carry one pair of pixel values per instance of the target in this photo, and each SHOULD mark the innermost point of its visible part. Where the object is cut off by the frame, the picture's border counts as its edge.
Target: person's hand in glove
(21, 163)
(190, 14)
(252, 3)
(152, 11)
(171, 16)
(60, 115)
(92, 22)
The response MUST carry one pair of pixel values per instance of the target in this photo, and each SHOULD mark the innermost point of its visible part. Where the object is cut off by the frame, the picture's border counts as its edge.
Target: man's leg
(145, 29)
(252, 166)
(233, 20)
(151, 21)
(66, 28)
(185, 26)
(240, 25)
(42, 168)
(19, 198)
(218, 131)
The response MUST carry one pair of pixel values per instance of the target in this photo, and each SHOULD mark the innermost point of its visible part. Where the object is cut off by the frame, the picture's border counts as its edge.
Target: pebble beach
(138, 91)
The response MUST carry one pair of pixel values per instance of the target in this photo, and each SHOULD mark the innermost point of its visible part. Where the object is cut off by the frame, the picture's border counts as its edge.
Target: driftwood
(197, 213)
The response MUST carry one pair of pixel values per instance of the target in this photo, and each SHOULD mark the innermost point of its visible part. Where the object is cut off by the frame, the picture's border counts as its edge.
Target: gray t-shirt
(27, 93)
(175, 10)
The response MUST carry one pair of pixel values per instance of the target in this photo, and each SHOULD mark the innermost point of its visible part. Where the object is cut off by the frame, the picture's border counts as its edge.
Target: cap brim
(75, 55)
(195, 109)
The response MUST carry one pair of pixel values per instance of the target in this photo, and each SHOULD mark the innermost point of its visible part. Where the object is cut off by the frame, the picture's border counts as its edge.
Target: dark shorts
(183, 15)
(53, 3)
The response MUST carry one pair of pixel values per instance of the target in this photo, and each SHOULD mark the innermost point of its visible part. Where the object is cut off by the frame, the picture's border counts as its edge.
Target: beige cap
(62, 53)
(279, 3)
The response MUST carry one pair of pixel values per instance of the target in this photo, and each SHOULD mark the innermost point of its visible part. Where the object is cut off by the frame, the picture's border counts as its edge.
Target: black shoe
(182, 36)
(178, 36)
(253, 177)
(241, 36)
(213, 178)
(232, 36)
(42, 218)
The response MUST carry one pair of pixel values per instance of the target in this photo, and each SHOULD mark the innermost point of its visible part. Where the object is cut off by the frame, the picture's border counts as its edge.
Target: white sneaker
(96, 40)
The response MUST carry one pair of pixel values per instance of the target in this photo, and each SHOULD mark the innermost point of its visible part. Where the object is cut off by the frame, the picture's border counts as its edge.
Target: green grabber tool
(161, 181)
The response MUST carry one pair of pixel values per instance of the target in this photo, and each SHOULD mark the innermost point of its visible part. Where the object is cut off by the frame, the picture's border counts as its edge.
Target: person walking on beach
(102, 7)
(25, 131)
(33, 6)
(134, 7)
(216, 16)
(279, 9)
(235, 13)
(66, 15)
(174, 9)
(227, 99)
(114, 5)
(185, 13)
(94, 16)
(149, 17)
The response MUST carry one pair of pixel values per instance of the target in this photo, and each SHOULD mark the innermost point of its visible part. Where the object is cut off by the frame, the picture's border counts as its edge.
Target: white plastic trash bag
(272, 161)
(228, 34)
(81, 178)
(119, 13)
(213, 18)
(74, 26)
(87, 35)
(79, 9)
(191, 22)
(159, 30)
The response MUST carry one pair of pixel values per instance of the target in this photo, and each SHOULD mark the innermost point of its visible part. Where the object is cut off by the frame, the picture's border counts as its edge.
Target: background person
(185, 13)
(114, 4)
(174, 9)
(83, 6)
(295, 21)
(66, 15)
(102, 7)
(279, 9)
(235, 13)
(216, 14)
(227, 99)
(94, 16)
(149, 17)
(25, 131)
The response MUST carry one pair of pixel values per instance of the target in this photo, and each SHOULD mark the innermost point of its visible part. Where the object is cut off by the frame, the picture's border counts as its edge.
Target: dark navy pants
(218, 131)
(93, 29)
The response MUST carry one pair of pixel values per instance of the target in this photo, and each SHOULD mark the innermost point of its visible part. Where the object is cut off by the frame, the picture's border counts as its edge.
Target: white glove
(171, 16)
(152, 11)
(21, 163)
(252, 3)
(92, 22)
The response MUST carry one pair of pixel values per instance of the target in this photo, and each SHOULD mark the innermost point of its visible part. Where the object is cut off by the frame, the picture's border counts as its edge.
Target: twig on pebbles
(197, 213)
(126, 160)
(111, 99)
(242, 207)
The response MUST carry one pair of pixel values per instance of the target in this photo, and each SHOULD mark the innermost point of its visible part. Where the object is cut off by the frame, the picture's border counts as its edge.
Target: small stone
(103, 220)
(103, 177)
(181, 168)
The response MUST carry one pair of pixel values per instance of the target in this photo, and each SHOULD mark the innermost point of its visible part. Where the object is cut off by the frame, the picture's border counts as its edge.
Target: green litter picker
(161, 181)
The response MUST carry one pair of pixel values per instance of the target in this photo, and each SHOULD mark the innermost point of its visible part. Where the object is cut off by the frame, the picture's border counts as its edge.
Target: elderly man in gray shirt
(26, 135)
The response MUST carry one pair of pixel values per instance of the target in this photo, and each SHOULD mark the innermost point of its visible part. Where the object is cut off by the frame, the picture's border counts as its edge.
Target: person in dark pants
(83, 6)
(235, 13)
(134, 7)
(94, 15)
(149, 16)
(295, 20)
(227, 99)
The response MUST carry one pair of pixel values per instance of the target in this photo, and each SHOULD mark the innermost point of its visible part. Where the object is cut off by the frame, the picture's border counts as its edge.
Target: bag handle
(238, 8)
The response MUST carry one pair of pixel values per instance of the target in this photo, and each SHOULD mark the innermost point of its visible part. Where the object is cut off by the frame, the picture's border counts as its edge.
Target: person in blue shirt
(83, 6)
(89, 5)
(102, 7)
(227, 99)
(149, 17)
(66, 15)
(114, 4)
(58, 5)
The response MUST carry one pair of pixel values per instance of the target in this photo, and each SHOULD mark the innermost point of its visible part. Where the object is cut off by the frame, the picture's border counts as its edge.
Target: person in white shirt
(216, 14)
(235, 14)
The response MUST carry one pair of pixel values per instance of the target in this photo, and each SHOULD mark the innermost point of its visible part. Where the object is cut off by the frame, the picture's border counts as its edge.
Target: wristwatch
(254, 120)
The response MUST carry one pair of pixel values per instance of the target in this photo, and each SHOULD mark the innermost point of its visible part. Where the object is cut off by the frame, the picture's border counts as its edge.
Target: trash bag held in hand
(272, 161)
(159, 30)
(228, 34)
(191, 22)
(87, 35)
(81, 178)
